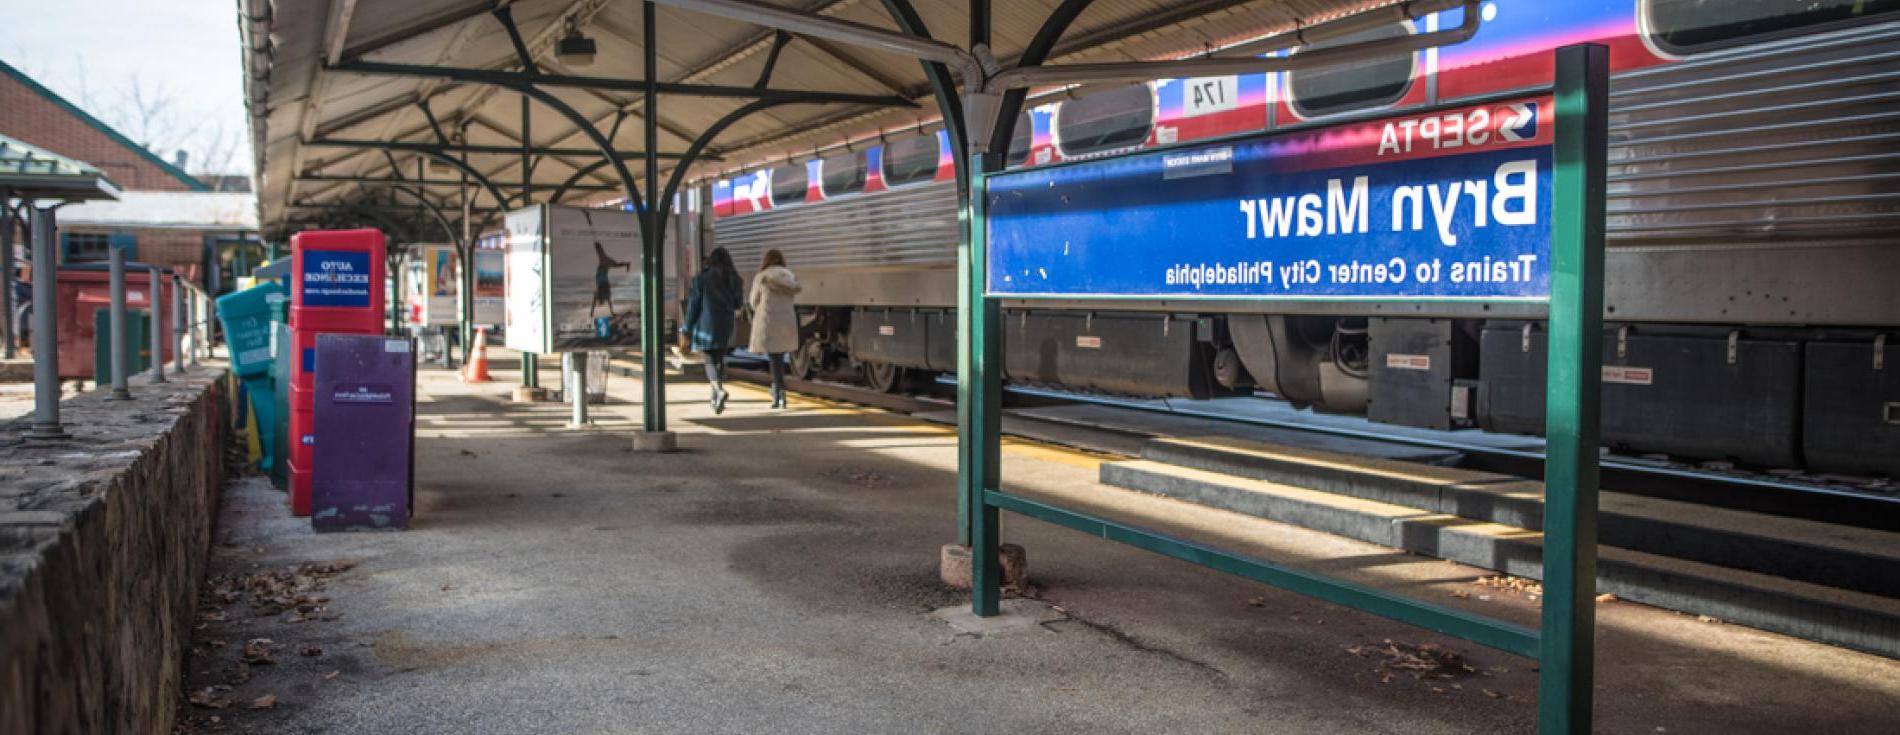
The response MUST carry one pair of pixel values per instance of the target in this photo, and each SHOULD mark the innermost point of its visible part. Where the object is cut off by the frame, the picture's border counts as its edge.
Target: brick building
(172, 229)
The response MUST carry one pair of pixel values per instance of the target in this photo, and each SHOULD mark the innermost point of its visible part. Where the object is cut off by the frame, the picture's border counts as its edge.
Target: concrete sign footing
(530, 394)
(953, 566)
(1013, 615)
(655, 441)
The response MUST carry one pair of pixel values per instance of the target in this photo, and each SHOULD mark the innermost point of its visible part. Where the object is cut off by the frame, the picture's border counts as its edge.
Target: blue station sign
(1453, 203)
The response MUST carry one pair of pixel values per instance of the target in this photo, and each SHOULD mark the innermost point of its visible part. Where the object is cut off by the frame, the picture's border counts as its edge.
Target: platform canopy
(356, 104)
(31, 172)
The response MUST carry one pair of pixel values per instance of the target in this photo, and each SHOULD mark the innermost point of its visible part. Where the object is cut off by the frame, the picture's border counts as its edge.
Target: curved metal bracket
(586, 127)
(705, 138)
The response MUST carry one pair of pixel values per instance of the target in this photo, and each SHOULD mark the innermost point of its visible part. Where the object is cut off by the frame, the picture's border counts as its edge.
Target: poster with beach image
(490, 285)
(594, 278)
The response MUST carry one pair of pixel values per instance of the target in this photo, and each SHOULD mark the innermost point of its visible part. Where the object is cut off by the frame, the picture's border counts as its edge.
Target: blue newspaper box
(364, 419)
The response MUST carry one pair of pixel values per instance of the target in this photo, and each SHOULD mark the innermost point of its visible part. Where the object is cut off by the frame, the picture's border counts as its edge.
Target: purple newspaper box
(364, 418)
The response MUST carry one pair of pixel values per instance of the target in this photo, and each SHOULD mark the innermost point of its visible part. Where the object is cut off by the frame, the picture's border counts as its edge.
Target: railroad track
(1761, 492)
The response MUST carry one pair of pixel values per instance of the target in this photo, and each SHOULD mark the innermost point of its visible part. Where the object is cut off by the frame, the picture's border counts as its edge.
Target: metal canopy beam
(516, 79)
(448, 148)
(1023, 77)
(373, 180)
(380, 207)
(836, 29)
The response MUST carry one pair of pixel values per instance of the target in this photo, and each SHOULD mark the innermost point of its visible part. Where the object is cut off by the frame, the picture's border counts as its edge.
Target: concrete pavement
(780, 576)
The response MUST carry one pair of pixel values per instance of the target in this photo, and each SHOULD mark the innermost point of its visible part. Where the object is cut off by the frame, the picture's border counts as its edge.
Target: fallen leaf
(1708, 619)
(1491, 694)
(267, 701)
(257, 651)
(310, 651)
(208, 698)
(1258, 602)
(1606, 597)
(333, 674)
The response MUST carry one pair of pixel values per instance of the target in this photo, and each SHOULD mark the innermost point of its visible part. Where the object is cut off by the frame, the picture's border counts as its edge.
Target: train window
(1099, 122)
(1357, 86)
(843, 174)
(910, 160)
(1021, 140)
(789, 183)
(1700, 25)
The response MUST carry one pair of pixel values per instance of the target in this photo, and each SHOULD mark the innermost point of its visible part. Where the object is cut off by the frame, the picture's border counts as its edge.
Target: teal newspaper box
(247, 317)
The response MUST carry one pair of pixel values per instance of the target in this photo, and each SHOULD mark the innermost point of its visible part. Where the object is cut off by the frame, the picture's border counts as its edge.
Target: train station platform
(780, 575)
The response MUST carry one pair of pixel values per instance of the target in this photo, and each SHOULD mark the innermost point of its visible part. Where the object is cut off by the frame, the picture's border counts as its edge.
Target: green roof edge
(115, 135)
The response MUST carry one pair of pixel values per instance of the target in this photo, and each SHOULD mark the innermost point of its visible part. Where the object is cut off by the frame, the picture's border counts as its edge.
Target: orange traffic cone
(476, 371)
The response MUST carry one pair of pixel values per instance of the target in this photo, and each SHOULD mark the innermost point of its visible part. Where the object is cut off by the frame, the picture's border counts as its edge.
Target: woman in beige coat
(774, 320)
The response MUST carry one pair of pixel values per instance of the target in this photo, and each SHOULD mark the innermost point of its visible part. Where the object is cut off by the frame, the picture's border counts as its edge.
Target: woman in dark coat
(711, 306)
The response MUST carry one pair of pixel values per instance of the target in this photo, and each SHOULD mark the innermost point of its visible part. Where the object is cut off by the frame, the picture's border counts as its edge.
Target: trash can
(86, 288)
(596, 378)
(138, 344)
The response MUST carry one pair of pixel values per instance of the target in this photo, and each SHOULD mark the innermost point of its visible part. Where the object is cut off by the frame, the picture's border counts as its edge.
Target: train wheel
(805, 360)
(883, 377)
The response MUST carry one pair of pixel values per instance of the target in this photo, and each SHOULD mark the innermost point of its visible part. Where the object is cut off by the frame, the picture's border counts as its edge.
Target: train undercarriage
(1775, 397)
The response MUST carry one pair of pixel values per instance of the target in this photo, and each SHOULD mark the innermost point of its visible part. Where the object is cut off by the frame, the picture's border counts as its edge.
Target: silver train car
(1754, 225)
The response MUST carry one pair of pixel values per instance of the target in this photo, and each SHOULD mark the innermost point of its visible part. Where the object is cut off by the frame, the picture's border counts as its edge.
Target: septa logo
(1518, 121)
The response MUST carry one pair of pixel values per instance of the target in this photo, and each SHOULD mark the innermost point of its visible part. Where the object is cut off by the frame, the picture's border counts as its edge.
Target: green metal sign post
(1572, 399)
(1564, 643)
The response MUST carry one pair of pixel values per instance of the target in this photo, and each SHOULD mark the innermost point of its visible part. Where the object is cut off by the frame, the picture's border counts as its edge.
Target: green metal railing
(1564, 641)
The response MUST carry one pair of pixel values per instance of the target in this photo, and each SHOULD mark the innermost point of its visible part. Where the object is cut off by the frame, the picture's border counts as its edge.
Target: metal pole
(195, 325)
(653, 369)
(6, 267)
(530, 369)
(157, 324)
(117, 348)
(576, 365)
(465, 306)
(178, 324)
(45, 343)
(1574, 374)
(979, 399)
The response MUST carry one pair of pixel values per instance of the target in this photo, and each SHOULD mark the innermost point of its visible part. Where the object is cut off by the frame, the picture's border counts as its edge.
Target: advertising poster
(525, 313)
(595, 278)
(441, 278)
(415, 292)
(1448, 204)
(490, 286)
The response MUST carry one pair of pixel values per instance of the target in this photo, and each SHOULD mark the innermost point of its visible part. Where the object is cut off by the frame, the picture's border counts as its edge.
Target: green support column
(979, 399)
(530, 370)
(1572, 401)
(652, 366)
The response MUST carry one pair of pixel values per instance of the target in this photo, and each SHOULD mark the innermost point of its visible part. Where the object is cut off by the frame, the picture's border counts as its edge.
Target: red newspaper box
(336, 287)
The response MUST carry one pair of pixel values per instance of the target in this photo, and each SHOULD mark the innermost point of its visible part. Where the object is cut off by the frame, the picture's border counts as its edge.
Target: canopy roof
(168, 210)
(317, 115)
(31, 172)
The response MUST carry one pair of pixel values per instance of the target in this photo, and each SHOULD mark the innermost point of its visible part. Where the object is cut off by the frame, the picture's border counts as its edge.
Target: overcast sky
(94, 52)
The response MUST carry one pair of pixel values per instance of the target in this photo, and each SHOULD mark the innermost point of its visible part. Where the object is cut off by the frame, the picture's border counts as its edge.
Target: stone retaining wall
(103, 540)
